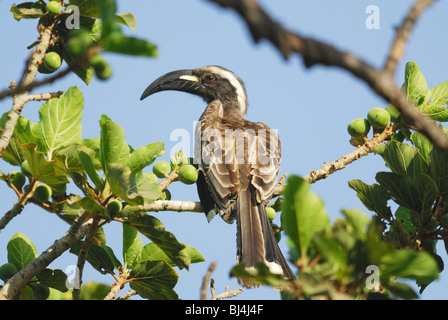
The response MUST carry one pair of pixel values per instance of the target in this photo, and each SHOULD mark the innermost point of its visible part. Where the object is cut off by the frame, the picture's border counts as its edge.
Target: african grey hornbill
(238, 161)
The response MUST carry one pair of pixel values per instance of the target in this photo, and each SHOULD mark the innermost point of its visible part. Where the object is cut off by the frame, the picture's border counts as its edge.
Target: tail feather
(255, 239)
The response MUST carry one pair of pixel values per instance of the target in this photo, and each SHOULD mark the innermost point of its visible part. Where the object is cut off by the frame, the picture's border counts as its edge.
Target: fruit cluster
(39, 291)
(377, 118)
(180, 164)
(73, 45)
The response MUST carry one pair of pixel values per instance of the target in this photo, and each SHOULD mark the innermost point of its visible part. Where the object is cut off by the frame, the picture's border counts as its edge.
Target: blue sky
(310, 107)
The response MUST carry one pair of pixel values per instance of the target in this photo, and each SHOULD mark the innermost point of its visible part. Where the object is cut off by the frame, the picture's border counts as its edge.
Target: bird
(238, 162)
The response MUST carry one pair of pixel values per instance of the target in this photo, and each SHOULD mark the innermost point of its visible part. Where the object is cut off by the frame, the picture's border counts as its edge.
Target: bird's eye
(209, 78)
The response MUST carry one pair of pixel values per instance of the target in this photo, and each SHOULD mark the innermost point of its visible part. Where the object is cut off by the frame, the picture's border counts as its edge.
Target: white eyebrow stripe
(230, 76)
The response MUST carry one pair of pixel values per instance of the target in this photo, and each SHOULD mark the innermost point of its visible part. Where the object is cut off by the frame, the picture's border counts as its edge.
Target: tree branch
(116, 287)
(173, 205)
(226, 294)
(402, 34)
(29, 75)
(82, 256)
(342, 162)
(76, 232)
(206, 280)
(262, 26)
(43, 96)
(19, 205)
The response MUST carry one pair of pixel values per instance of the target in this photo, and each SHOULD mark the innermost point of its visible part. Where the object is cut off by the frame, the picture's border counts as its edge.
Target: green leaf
(60, 120)
(71, 157)
(132, 246)
(154, 280)
(154, 230)
(422, 144)
(438, 171)
(13, 154)
(113, 147)
(107, 9)
(50, 172)
(303, 213)
(358, 220)
(152, 252)
(120, 43)
(332, 251)
(435, 106)
(127, 19)
(53, 278)
(402, 158)
(410, 264)
(91, 205)
(404, 214)
(21, 250)
(24, 11)
(415, 84)
(401, 290)
(137, 190)
(87, 163)
(374, 197)
(84, 71)
(98, 256)
(144, 156)
(417, 193)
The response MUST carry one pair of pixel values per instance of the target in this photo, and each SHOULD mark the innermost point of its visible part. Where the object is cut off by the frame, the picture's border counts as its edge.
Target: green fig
(378, 117)
(358, 127)
(188, 174)
(7, 271)
(114, 206)
(42, 193)
(161, 169)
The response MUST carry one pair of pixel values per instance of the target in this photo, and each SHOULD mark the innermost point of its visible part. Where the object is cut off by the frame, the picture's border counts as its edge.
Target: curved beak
(180, 80)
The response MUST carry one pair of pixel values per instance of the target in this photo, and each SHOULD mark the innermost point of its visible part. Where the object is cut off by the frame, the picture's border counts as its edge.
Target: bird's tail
(255, 239)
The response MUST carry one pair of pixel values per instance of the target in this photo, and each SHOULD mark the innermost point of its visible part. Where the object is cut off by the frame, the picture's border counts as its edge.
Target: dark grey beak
(180, 80)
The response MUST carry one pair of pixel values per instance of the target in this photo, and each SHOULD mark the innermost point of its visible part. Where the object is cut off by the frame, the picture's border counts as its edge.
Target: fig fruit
(378, 117)
(188, 174)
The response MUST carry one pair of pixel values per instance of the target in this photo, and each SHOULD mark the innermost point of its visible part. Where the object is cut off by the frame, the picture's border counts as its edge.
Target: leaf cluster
(104, 169)
(80, 36)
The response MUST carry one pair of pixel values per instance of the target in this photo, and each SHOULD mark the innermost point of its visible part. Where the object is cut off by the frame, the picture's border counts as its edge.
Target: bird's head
(210, 83)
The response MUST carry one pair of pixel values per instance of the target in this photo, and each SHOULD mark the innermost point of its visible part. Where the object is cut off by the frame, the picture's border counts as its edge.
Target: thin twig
(169, 179)
(402, 34)
(342, 162)
(226, 294)
(206, 280)
(19, 205)
(26, 88)
(43, 96)
(82, 256)
(127, 295)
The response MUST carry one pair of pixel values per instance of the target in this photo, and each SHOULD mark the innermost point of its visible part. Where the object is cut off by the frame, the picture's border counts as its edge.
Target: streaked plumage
(238, 161)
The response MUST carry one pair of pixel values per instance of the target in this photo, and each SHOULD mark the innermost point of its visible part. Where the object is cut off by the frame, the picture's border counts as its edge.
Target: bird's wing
(234, 155)
(264, 156)
(219, 172)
